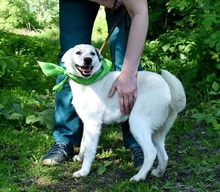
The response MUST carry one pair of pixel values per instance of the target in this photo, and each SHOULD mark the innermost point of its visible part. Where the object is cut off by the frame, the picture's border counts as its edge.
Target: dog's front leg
(80, 156)
(91, 138)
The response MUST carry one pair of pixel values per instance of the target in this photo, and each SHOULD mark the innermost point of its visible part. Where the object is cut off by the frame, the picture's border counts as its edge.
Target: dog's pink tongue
(87, 69)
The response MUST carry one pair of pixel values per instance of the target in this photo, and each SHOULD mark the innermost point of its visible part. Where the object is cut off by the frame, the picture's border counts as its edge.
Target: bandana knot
(66, 72)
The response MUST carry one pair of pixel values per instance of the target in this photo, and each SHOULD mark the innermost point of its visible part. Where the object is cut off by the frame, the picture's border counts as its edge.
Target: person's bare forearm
(126, 83)
(139, 26)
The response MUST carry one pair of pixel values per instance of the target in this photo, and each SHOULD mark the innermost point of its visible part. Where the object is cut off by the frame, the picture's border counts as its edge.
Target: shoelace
(59, 147)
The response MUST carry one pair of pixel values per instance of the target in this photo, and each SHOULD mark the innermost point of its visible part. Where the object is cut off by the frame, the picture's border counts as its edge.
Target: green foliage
(46, 12)
(16, 14)
(190, 48)
(210, 112)
(22, 96)
(7, 63)
(28, 14)
(26, 50)
(18, 106)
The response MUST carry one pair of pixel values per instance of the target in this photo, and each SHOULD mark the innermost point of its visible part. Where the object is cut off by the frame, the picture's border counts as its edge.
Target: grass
(193, 163)
(193, 157)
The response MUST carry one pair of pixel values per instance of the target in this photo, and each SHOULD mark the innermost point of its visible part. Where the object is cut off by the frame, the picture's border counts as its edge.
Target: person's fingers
(126, 104)
(112, 90)
(131, 102)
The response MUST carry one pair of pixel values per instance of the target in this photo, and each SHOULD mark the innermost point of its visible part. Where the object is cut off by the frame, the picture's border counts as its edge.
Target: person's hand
(126, 86)
(108, 3)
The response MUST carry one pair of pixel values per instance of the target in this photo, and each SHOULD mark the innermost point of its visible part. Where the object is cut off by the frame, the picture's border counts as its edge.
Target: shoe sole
(50, 162)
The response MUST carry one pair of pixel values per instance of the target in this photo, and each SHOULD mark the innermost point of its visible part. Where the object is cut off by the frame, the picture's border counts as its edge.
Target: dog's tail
(178, 97)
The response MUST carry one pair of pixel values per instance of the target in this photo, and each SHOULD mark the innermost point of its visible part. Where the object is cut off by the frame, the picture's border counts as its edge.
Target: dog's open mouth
(85, 70)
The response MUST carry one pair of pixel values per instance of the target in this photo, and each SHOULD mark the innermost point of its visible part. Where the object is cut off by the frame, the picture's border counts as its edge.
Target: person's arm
(126, 83)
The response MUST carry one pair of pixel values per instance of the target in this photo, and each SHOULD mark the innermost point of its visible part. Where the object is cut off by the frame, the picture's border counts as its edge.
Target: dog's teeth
(85, 70)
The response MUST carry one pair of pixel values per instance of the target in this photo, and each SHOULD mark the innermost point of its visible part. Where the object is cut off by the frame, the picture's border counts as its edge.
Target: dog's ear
(98, 54)
(67, 55)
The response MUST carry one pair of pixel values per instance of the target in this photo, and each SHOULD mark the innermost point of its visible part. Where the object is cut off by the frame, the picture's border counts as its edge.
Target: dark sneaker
(138, 157)
(58, 153)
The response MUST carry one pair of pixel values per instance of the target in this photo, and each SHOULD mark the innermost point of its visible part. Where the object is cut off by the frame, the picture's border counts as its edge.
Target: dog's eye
(93, 53)
(78, 52)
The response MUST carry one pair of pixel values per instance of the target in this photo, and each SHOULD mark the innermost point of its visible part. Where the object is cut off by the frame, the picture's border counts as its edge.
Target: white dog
(159, 99)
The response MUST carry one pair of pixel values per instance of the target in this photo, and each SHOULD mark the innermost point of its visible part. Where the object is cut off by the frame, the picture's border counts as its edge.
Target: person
(76, 23)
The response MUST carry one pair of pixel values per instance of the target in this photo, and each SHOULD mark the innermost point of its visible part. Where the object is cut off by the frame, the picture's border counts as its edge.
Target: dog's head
(82, 60)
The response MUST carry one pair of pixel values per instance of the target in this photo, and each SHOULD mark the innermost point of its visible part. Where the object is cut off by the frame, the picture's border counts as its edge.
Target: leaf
(2, 68)
(31, 119)
(14, 116)
(12, 64)
(1, 107)
(181, 47)
(46, 117)
(217, 127)
(166, 47)
(107, 163)
(207, 22)
(198, 116)
(217, 47)
(171, 49)
(182, 56)
(210, 42)
(101, 170)
(215, 86)
(212, 93)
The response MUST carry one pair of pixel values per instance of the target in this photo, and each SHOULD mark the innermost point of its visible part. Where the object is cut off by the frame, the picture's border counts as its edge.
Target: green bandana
(50, 69)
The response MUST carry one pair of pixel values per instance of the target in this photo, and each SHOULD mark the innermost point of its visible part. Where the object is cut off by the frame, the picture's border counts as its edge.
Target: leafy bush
(210, 112)
(190, 48)
(27, 50)
(19, 106)
(7, 63)
(29, 14)
(22, 94)
(16, 14)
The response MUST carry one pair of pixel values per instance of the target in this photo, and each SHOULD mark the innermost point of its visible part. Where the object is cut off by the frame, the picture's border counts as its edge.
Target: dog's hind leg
(142, 133)
(91, 137)
(159, 140)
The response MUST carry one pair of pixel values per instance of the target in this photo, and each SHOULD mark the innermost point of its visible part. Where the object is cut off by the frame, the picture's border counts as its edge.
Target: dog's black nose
(87, 60)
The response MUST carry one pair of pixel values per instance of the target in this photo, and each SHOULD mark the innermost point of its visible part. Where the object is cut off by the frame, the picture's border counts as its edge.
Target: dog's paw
(78, 158)
(137, 178)
(80, 173)
(157, 173)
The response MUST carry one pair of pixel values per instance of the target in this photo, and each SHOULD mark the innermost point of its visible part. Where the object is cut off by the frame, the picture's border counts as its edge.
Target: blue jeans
(76, 23)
